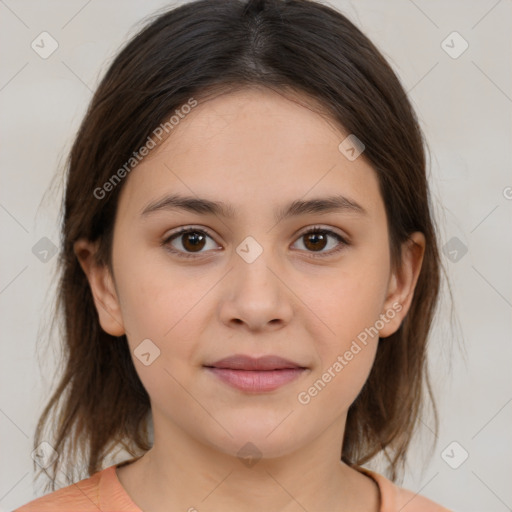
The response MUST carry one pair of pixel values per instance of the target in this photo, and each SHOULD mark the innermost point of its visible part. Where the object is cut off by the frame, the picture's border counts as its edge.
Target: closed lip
(249, 363)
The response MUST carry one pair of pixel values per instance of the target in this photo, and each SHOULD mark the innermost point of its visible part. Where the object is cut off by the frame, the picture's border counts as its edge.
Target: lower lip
(257, 381)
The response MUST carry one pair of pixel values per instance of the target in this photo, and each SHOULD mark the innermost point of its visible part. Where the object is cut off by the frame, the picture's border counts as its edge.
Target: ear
(102, 287)
(402, 284)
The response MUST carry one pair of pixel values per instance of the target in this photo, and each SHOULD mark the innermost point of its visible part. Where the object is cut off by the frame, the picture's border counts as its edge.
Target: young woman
(249, 272)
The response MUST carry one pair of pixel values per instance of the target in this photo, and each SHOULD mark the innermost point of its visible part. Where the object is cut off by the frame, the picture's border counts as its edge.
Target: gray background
(464, 105)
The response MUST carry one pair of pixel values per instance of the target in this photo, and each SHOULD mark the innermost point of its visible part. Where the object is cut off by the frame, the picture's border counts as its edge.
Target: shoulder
(82, 496)
(394, 498)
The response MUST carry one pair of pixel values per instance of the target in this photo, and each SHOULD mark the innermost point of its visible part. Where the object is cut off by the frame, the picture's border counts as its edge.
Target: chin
(259, 440)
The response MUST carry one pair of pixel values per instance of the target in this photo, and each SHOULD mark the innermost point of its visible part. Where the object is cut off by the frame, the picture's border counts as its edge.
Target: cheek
(350, 302)
(333, 390)
(166, 308)
(157, 297)
(346, 349)
(349, 306)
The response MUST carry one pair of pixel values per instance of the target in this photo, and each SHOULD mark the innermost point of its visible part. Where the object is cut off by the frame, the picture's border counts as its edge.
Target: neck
(179, 473)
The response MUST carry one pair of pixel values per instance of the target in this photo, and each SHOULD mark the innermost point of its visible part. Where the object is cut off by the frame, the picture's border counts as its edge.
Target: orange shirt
(103, 492)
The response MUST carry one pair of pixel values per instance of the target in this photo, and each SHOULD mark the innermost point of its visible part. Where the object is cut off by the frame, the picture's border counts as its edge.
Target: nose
(256, 296)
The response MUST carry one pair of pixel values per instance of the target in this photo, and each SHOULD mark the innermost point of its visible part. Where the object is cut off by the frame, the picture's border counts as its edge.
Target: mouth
(256, 375)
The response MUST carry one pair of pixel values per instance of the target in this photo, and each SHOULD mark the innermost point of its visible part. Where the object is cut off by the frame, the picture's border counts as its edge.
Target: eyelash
(314, 229)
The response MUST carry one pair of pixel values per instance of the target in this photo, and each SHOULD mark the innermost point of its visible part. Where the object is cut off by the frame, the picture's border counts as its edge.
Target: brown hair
(100, 403)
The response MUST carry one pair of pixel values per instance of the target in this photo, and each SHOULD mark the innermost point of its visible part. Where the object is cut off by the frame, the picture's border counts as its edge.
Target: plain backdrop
(464, 103)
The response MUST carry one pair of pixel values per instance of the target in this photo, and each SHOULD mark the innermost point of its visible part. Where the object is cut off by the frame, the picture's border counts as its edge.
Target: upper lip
(243, 362)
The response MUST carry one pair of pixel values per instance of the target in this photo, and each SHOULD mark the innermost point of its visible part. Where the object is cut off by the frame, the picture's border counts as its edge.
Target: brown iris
(317, 240)
(193, 240)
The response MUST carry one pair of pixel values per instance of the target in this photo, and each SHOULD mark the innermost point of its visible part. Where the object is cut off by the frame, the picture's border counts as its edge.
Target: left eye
(193, 241)
(316, 239)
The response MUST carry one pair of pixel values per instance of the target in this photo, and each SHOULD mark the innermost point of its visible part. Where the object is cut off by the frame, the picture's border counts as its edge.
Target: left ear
(402, 284)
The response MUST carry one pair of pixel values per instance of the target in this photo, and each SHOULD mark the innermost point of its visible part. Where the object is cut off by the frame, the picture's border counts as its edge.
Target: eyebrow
(202, 206)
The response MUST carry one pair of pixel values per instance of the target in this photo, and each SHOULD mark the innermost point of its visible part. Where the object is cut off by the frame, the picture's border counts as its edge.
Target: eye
(191, 240)
(316, 239)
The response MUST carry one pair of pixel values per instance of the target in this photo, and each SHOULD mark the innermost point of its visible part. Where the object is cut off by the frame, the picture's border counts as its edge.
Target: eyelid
(328, 229)
(191, 227)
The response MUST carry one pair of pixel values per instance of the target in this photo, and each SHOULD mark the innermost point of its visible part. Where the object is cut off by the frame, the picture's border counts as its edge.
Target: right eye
(187, 242)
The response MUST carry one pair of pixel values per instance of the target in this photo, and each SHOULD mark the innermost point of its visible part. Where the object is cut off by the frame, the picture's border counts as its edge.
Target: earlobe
(403, 283)
(102, 287)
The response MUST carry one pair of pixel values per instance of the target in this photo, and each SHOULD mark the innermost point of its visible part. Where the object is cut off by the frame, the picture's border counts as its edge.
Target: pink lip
(256, 374)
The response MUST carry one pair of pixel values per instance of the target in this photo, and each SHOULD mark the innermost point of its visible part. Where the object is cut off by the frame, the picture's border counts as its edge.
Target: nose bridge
(254, 261)
(256, 294)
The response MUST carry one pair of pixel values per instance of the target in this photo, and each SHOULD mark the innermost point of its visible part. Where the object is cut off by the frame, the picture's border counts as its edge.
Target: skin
(257, 151)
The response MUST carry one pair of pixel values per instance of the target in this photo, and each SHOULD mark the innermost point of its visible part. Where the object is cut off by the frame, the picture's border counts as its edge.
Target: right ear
(102, 287)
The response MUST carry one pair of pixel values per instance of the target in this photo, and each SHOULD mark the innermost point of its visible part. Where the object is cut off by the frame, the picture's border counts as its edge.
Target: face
(248, 279)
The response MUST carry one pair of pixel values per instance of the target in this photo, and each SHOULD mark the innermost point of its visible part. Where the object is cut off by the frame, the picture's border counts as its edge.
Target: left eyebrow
(203, 206)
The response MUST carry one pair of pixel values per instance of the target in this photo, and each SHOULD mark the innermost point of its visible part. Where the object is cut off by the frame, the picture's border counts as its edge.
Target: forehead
(252, 147)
